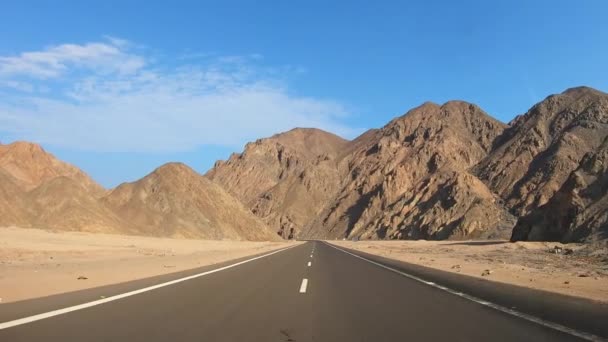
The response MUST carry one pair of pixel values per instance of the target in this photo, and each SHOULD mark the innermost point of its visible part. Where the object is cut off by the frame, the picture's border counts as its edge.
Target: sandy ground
(35, 263)
(584, 273)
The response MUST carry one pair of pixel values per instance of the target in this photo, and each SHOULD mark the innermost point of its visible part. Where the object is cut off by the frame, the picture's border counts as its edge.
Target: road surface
(310, 292)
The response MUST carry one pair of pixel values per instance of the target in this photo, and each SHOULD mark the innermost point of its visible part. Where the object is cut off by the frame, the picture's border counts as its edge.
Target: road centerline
(304, 285)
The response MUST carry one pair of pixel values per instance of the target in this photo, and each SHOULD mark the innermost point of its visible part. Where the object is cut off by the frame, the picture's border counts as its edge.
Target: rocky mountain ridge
(446, 171)
(38, 190)
(439, 171)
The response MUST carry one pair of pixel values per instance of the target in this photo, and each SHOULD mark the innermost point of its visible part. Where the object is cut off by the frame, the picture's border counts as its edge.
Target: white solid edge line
(309, 263)
(556, 326)
(57, 312)
(304, 285)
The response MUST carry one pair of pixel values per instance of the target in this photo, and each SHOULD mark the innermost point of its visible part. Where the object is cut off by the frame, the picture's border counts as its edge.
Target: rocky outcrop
(410, 179)
(38, 190)
(438, 172)
(63, 203)
(286, 179)
(537, 153)
(578, 211)
(176, 201)
(30, 165)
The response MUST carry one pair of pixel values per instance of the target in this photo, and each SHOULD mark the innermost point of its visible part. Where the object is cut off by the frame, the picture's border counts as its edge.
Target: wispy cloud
(104, 96)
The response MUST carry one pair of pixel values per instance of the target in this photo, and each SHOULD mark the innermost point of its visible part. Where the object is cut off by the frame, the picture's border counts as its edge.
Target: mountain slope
(176, 201)
(30, 166)
(12, 207)
(410, 179)
(62, 203)
(578, 211)
(285, 179)
(38, 190)
(536, 154)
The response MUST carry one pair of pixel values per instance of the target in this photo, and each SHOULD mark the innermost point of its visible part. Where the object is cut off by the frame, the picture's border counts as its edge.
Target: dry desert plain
(36, 262)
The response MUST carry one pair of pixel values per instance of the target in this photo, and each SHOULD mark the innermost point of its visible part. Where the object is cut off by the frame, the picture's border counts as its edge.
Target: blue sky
(120, 87)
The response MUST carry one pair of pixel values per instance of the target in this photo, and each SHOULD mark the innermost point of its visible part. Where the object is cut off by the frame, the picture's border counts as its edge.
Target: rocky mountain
(437, 172)
(30, 165)
(537, 153)
(410, 180)
(63, 203)
(285, 179)
(38, 190)
(176, 201)
(383, 184)
(578, 211)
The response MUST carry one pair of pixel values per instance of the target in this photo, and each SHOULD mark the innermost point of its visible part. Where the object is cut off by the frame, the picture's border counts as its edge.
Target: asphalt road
(311, 292)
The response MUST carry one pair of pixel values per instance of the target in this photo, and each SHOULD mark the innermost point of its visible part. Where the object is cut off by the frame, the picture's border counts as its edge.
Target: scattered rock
(568, 251)
(82, 278)
(566, 282)
(486, 273)
(456, 267)
(583, 275)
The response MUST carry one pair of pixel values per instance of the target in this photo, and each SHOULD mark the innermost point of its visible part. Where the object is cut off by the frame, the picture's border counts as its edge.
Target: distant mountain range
(37, 190)
(438, 172)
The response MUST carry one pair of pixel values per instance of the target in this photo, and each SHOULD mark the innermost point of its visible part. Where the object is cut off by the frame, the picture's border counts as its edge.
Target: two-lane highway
(311, 292)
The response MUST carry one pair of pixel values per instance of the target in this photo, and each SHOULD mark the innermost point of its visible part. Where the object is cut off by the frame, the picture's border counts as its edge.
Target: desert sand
(584, 273)
(36, 263)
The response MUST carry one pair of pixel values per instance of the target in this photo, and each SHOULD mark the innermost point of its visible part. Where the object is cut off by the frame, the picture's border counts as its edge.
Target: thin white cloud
(119, 102)
(57, 60)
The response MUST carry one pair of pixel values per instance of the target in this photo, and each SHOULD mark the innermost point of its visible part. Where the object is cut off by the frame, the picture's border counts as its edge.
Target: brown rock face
(406, 180)
(37, 190)
(537, 153)
(64, 204)
(578, 211)
(29, 165)
(12, 208)
(410, 179)
(285, 179)
(437, 172)
(176, 201)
